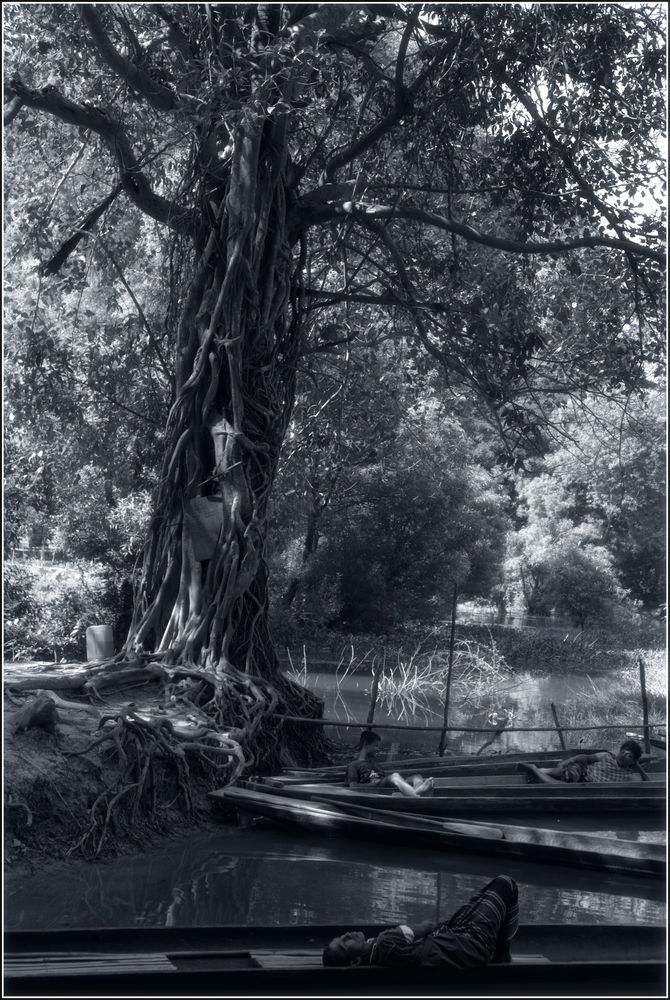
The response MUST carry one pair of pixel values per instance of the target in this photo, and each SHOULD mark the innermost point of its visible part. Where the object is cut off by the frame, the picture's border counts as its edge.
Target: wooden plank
(599, 941)
(203, 520)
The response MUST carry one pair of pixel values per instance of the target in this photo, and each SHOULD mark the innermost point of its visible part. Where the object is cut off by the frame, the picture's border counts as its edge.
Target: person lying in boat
(590, 767)
(476, 934)
(366, 771)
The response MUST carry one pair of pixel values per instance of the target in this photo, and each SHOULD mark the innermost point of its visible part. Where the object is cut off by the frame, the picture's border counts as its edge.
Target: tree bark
(238, 342)
(310, 546)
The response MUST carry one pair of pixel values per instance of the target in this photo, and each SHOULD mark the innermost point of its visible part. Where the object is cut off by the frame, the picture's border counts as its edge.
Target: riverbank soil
(59, 779)
(53, 779)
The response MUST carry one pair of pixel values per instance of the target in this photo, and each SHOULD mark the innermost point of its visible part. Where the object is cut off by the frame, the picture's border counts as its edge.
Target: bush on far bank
(545, 649)
(49, 606)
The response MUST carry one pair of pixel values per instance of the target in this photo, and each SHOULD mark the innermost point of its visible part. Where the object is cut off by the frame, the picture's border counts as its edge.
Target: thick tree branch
(399, 86)
(158, 96)
(85, 226)
(318, 214)
(135, 184)
(12, 110)
(323, 298)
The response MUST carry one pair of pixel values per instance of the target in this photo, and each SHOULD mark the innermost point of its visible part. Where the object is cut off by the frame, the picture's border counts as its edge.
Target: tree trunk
(202, 602)
(310, 546)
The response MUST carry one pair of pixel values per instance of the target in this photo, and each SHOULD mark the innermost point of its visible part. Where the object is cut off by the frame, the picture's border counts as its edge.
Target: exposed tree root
(206, 730)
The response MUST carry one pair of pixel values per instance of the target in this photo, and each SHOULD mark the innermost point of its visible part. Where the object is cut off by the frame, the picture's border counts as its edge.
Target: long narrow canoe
(648, 796)
(503, 840)
(541, 757)
(566, 960)
(475, 773)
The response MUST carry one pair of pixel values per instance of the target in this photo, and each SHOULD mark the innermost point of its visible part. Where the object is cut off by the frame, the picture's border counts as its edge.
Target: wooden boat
(548, 959)
(498, 799)
(466, 764)
(450, 759)
(503, 840)
(471, 771)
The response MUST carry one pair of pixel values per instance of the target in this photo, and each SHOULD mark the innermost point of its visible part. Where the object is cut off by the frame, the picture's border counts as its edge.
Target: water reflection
(264, 875)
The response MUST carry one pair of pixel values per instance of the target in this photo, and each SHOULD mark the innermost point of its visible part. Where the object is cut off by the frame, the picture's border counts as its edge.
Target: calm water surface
(265, 875)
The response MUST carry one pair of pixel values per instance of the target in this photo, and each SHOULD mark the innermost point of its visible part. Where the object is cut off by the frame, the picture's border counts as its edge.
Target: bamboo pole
(645, 707)
(558, 728)
(443, 736)
(457, 729)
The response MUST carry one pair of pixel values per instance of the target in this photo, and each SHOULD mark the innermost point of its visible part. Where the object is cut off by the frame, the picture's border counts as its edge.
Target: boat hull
(567, 960)
(501, 840)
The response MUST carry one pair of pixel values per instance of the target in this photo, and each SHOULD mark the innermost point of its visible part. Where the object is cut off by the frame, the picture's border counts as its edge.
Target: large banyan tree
(400, 156)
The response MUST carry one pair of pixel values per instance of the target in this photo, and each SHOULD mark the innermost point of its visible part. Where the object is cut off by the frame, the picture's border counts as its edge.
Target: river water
(265, 875)
(261, 874)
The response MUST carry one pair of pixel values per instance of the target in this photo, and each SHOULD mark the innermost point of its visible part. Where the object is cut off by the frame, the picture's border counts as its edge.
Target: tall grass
(409, 683)
(620, 702)
(411, 689)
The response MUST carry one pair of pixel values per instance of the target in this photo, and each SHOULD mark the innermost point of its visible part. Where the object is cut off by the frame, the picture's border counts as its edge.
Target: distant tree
(555, 564)
(611, 467)
(583, 583)
(409, 525)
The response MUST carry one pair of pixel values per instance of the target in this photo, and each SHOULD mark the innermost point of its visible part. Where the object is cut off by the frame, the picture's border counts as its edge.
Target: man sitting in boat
(366, 771)
(477, 933)
(594, 767)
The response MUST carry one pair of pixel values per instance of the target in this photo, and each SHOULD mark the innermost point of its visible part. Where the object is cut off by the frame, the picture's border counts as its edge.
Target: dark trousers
(488, 921)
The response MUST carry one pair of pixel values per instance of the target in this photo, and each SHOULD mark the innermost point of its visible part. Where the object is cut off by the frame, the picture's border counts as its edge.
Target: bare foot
(425, 788)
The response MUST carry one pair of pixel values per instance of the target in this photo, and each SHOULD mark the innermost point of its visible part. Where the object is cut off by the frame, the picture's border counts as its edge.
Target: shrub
(51, 606)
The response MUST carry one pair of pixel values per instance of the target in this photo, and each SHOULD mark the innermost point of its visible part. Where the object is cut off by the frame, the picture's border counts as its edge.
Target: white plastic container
(99, 642)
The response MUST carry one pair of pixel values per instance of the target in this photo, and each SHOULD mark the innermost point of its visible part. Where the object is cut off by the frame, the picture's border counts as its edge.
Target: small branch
(152, 337)
(399, 86)
(401, 107)
(12, 110)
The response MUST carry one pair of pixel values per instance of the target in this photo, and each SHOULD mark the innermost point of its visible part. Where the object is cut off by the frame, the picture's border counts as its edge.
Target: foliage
(52, 604)
(583, 584)
(555, 564)
(402, 527)
(610, 469)
(18, 594)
